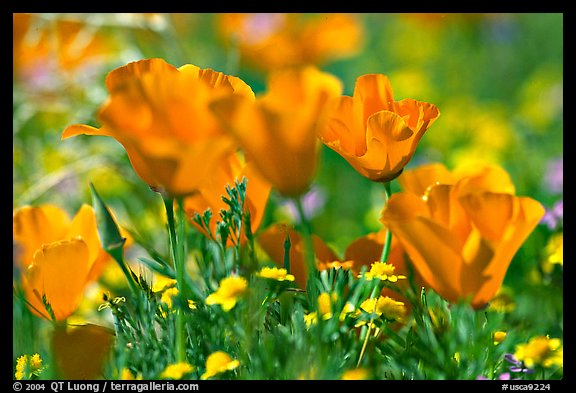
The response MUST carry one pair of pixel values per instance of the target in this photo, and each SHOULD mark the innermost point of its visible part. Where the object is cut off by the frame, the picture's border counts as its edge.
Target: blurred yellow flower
(274, 273)
(554, 252)
(472, 229)
(28, 366)
(217, 363)
(160, 114)
(176, 370)
(310, 319)
(278, 132)
(227, 294)
(355, 374)
(383, 306)
(498, 337)
(126, 375)
(541, 350)
(269, 41)
(325, 303)
(376, 134)
(58, 257)
(503, 301)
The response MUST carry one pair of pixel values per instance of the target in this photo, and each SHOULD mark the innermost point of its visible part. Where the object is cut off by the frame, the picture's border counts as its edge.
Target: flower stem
(369, 328)
(388, 241)
(177, 244)
(307, 237)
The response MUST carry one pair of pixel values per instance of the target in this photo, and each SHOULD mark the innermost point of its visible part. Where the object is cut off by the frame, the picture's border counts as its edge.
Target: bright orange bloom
(487, 177)
(160, 114)
(277, 40)
(211, 192)
(375, 134)
(462, 237)
(279, 132)
(57, 257)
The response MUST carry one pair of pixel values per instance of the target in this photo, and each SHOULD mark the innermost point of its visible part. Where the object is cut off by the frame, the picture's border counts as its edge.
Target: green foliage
(497, 80)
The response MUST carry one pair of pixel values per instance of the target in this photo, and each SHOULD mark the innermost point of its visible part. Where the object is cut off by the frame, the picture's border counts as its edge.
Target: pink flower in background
(313, 202)
(554, 178)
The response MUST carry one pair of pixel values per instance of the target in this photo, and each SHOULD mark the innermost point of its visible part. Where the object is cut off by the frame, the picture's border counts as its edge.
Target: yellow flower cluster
(382, 271)
(542, 350)
(274, 273)
(27, 366)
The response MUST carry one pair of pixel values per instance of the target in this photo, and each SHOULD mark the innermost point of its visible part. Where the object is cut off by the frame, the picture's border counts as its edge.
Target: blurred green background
(496, 78)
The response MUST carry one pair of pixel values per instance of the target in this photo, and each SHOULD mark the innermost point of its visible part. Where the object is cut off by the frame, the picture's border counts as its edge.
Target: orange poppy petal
(529, 213)
(84, 226)
(419, 115)
(82, 129)
(118, 77)
(418, 180)
(35, 226)
(486, 178)
(390, 145)
(59, 272)
(434, 252)
(372, 93)
(80, 352)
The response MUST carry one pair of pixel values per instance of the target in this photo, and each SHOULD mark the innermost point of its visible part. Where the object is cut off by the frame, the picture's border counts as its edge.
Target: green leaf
(108, 230)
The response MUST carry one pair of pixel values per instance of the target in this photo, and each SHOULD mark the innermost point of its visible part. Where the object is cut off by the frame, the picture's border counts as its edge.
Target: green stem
(372, 317)
(388, 241)
(287, 245)
(307, 237)
(177, 249)
(119, 258)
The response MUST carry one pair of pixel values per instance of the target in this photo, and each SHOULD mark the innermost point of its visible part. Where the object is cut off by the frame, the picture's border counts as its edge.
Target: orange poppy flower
(57, 257)
(488, 177)
(278, 132)
(160, 114)
(375, 134)
(210, 194)
(270, 41)
(80, 352)
(461, 237)
(67, 45)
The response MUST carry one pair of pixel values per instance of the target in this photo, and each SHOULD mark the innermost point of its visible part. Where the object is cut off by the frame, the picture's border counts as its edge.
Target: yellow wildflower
(310, 319)
(383, 271)
(355, 374)
(231, 288)
(325, 301)
(275, 273)
(126, 375)
(554, 253)
(498, 337)
(219, 362)
(168, 295)
(176, 370)
(346, 310)
(385, 306)
(541, 350)
(27, 366)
